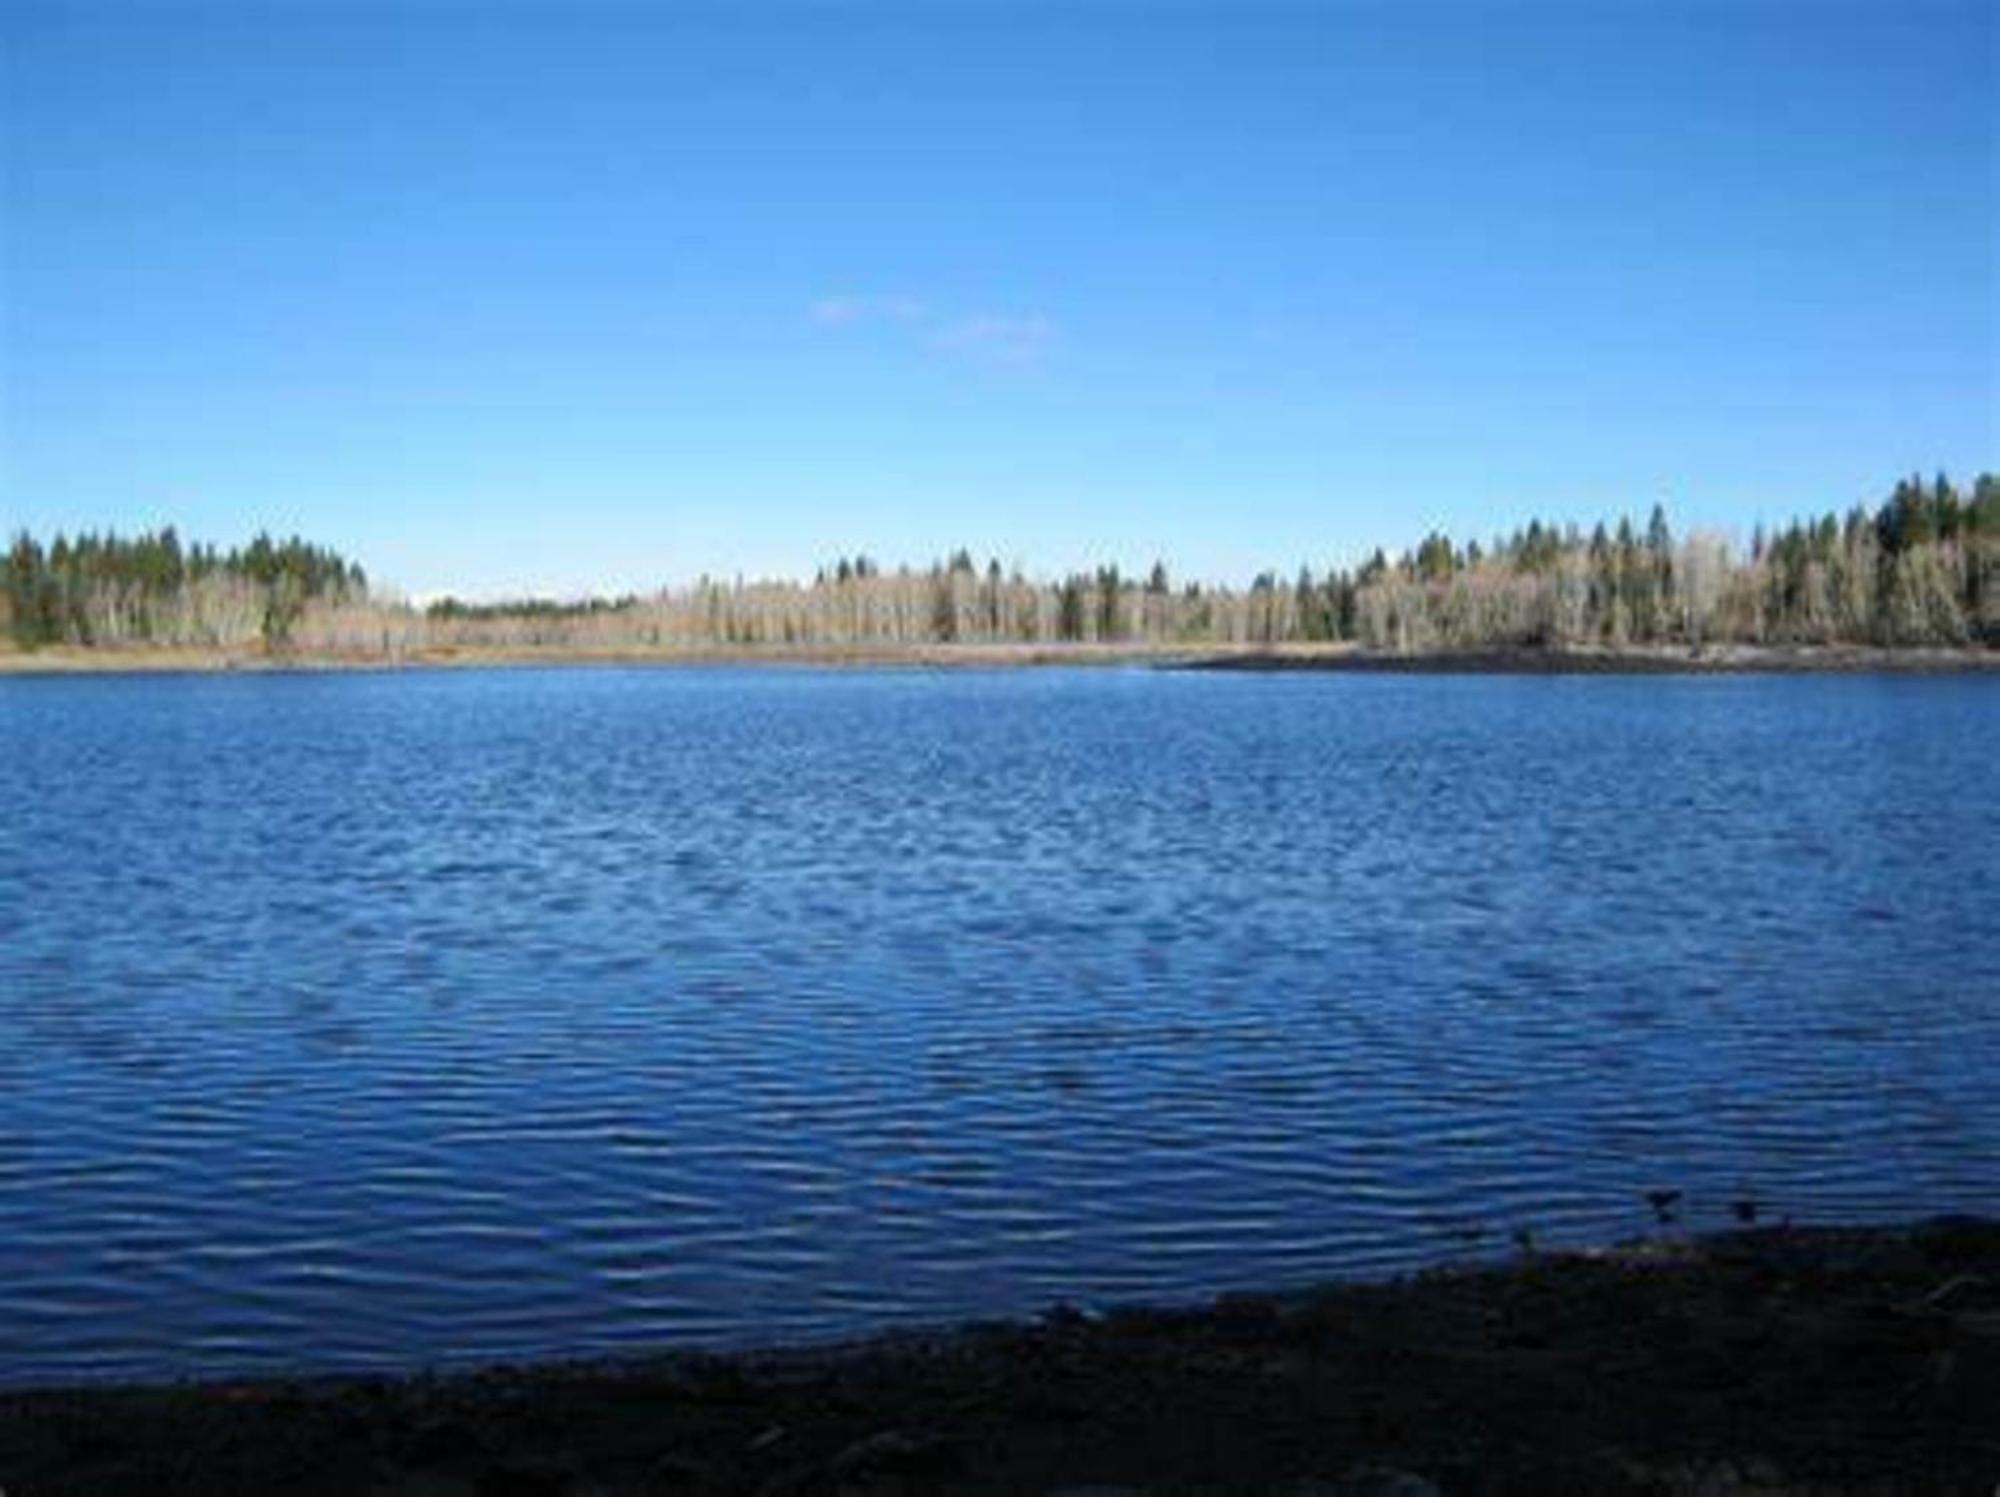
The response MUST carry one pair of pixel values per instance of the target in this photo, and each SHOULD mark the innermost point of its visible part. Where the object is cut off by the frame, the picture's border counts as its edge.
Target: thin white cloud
(1011, 337)
(835, 311)
(1001, 337)
(847, 311)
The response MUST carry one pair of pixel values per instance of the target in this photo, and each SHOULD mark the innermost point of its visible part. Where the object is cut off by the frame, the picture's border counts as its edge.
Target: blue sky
(510, 296)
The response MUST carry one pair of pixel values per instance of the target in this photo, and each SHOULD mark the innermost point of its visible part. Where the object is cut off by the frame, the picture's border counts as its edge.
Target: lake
(381, 1020)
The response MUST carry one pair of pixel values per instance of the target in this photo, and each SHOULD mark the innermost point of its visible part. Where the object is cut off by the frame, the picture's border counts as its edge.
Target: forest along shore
(1922, 571)
(57, 660)
(1763, 1360)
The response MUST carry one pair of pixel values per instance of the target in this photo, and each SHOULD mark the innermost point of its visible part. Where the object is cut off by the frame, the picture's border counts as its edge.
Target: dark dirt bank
(1770, 1360)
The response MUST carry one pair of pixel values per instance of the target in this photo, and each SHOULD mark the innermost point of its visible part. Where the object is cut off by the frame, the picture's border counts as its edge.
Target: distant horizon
(1026, 569)
(543, 302)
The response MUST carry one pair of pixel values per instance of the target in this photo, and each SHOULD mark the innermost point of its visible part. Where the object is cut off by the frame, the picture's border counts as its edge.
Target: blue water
(381, 1020)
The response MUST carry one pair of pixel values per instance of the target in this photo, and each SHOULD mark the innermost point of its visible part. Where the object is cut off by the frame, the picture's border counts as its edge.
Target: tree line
(1921, 568)
(150, 589)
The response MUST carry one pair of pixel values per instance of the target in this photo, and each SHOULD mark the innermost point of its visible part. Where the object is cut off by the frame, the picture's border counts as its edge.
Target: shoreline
(1341, 658)
(1773, 1359)
(1720, 660)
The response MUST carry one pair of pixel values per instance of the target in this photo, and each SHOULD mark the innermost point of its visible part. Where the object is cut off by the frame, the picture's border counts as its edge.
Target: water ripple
(372, 1021)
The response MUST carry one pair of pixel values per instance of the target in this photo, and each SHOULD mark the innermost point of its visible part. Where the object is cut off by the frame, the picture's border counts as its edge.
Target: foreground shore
(1768, 1361)
(1590, 660)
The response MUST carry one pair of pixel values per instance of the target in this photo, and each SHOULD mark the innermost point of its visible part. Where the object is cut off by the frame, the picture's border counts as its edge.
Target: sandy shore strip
(1720, 660)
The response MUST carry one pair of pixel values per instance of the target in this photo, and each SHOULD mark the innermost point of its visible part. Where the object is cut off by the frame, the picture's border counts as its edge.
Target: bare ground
(1588, 660)
(1773, 1360)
